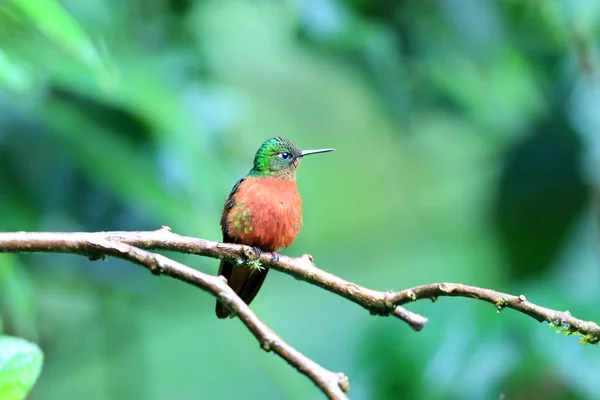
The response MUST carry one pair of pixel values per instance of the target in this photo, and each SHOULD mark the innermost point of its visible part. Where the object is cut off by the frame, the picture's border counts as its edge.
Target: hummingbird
(263, 210)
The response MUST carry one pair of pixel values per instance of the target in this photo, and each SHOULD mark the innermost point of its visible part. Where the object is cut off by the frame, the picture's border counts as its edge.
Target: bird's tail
(245, 281)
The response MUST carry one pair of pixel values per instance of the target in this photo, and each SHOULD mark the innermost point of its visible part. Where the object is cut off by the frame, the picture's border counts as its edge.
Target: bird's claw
(257, 251)
(274, 257)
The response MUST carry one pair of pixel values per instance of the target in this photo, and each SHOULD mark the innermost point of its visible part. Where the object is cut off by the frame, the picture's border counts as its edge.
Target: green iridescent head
(279, 157)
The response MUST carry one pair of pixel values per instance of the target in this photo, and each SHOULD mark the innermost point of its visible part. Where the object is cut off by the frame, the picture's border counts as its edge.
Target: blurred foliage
(467, 151)
(20, 365)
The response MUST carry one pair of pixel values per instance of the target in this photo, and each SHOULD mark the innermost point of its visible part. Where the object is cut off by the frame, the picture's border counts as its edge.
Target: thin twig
(562, 320)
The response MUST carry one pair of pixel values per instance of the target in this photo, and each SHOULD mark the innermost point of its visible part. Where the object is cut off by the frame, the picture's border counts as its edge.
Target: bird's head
(278, 157)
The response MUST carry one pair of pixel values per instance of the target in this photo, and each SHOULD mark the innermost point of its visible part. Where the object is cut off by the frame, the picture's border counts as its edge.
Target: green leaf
(56, 24)
(13, 75)
(20, 366)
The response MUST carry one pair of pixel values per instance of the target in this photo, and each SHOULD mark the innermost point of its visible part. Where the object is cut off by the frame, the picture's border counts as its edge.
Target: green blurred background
(467, 151)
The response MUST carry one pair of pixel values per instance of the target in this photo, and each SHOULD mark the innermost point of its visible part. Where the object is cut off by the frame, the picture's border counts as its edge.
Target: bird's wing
(241, 277)
(226, 208)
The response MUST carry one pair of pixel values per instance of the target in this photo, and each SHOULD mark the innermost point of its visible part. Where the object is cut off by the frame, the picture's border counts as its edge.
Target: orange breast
(266, 212)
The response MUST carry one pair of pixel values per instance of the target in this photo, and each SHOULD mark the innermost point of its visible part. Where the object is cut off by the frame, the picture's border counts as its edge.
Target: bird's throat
(287, 174)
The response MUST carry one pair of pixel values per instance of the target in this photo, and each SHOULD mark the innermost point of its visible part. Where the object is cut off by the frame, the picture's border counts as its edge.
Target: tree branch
(302, 268)
(129, 245)
(333, 385)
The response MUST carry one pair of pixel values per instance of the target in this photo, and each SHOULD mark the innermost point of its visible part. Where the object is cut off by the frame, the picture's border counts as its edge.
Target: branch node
(343, 382)
(266, 345)
(352, 289)
(165, 228)
(446, 288)
(522, 298)
(307, 258)
(500, 304)
(433, 299)
(156, 266)
(388, 299)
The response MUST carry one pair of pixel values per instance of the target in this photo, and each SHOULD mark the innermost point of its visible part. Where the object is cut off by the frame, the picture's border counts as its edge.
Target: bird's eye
(285, 156)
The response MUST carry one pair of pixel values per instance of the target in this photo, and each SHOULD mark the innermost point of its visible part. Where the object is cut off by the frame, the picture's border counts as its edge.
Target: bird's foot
(257, 251)
(274, 257)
